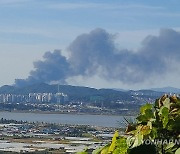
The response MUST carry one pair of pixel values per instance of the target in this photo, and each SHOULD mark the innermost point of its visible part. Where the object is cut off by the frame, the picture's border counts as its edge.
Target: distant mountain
(119, 89)
(86, 94)
(75, 92)
(147, 93)
(7, 89)
(167, 90)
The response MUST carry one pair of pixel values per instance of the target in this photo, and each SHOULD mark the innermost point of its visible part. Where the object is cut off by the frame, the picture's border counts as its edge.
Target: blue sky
(28, 28)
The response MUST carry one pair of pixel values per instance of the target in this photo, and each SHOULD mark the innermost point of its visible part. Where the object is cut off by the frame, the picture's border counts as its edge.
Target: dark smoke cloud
(96, 53)
(96, 50)
(54, 67)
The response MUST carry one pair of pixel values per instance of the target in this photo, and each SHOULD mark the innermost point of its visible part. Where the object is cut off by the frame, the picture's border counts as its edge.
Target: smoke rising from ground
(95, 53)
(54, 67)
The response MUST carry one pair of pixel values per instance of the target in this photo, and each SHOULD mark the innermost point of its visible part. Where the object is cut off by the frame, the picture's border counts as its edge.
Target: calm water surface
(95, 120)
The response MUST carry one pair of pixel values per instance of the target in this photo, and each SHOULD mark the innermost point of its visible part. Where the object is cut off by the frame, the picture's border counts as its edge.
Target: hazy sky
(29, 28)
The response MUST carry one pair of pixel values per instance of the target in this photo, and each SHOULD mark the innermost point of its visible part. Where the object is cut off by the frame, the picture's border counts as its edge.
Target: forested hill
(46, 88)
(77, 93)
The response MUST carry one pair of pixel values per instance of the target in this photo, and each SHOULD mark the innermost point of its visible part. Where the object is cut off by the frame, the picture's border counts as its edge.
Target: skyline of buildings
(35, 98)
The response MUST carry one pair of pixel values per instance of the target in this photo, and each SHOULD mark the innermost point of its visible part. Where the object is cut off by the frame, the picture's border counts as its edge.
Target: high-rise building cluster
(34, 98)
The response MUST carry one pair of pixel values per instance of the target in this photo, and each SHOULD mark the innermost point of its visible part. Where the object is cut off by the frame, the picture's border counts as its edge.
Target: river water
(74, 119)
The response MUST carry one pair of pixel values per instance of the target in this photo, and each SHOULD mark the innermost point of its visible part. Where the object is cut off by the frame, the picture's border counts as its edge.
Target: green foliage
(117, 146)
(164, 113)
(99, 150)
(114, 142)
(177, 151)
(83, 152)
(158, 122)
(104, 150)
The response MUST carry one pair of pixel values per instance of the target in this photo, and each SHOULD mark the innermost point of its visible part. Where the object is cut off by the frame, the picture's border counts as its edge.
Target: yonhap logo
(161, 141)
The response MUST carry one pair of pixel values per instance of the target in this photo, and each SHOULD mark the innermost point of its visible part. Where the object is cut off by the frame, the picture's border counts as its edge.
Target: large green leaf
(154, 133)
(117, 151)
(83, 152)
(138, 140)
(101, 150)
(148, 114)
(121, 146)
(98, 150)
(164, 112)
(114, 141)
(145, 107)
(177, 151)
(104, 150)
(166, 103)
(130, 141)
(145, 130)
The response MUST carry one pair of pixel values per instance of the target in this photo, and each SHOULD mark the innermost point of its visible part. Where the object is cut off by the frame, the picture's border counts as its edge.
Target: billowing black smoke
(54, 68)
(96, 53)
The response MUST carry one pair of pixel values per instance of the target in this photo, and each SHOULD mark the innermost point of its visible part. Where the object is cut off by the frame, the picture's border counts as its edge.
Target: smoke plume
(95, 53)
(54, 68)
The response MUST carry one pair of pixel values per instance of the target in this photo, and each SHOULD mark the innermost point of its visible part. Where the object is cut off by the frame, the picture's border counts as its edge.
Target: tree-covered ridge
(155, 131)
(78, 93)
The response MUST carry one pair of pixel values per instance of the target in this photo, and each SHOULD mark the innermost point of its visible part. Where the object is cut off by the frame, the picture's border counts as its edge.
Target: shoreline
(70, 113)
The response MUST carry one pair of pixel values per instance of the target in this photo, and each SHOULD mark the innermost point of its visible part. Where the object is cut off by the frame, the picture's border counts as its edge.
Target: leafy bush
(156, 130)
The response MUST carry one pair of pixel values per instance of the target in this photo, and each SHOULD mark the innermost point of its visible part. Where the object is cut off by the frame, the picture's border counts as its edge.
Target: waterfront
(73, 119)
